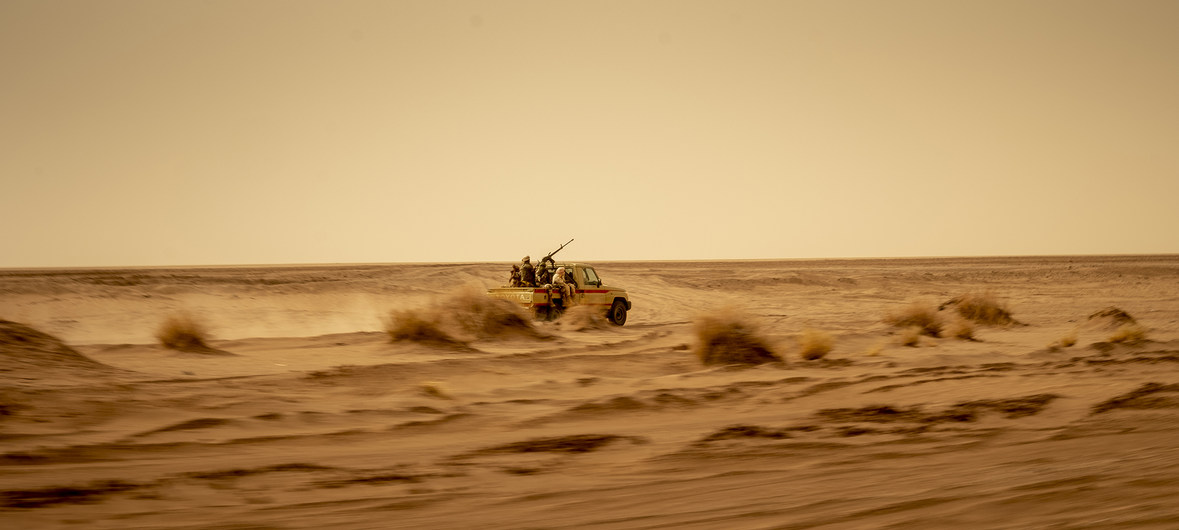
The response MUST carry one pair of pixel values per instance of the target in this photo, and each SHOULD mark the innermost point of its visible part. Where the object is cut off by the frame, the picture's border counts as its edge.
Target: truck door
(591, 287)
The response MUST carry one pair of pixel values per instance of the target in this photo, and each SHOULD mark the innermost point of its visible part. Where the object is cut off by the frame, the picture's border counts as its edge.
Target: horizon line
(676, 260)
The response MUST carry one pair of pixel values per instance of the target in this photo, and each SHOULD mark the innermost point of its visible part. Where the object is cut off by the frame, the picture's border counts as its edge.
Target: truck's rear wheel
(617, 314)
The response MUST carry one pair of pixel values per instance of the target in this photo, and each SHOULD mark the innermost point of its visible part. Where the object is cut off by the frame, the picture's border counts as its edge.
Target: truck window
(590, 277)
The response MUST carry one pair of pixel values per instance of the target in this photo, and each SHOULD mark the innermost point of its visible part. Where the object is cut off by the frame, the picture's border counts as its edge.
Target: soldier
(514, 281)
(526, 274)
(568, 288)
(544, 272)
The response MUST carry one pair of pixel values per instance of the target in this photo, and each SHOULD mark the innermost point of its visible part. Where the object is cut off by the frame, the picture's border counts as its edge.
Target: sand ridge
(597, 426)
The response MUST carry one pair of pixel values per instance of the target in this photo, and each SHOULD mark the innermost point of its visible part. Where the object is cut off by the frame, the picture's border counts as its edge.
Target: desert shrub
(1067, 340)
(911, 336)
(920, 315)
(962, 329)
(983, 308)
(1129, 334)
(814, 344)
(183, 332)
(729, 336)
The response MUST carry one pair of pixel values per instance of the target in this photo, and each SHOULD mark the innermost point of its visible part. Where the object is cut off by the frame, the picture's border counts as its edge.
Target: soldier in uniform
(514, 280)
(544, 271)
(526, 273)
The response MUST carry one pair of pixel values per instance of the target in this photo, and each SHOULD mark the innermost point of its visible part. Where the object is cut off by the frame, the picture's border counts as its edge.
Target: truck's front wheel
(617, 313)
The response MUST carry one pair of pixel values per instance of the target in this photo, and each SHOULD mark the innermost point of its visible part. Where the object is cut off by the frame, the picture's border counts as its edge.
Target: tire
(617, 314)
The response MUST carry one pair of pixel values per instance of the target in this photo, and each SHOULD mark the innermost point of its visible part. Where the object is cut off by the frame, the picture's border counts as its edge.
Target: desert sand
(304, 413)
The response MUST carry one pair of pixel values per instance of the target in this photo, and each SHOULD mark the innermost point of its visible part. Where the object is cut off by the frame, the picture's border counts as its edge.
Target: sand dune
(320, 420)
(31, 358)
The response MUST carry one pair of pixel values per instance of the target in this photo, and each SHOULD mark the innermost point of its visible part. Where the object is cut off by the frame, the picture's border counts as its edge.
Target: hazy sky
(285, 131)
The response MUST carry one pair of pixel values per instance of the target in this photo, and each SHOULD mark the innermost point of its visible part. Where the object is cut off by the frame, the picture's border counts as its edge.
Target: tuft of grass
(814, 344)
(911, 336)
(1128, 334)
(920, 315)
(983, 308)
(183, 332)
(1067, 340)
(729, 336)
(962, 329)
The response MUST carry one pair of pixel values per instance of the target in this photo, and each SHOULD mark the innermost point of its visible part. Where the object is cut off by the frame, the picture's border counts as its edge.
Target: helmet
(525, 260)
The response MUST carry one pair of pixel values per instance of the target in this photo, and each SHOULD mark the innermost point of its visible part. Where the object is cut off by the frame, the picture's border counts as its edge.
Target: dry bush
(962, 329)
(729, 336)
(814, 344)
(1067, 340)
(1128, 334)
(183, 332)
(911, 336)
(921, 315)
(983, 308)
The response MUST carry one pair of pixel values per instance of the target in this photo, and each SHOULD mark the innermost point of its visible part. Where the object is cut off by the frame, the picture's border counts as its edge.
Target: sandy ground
(317, 420)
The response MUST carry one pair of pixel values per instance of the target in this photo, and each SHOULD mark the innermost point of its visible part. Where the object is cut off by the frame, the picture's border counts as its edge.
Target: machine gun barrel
(549, 256)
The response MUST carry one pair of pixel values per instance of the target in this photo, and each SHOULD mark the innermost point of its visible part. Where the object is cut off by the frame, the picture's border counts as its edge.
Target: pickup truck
(546, 304)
